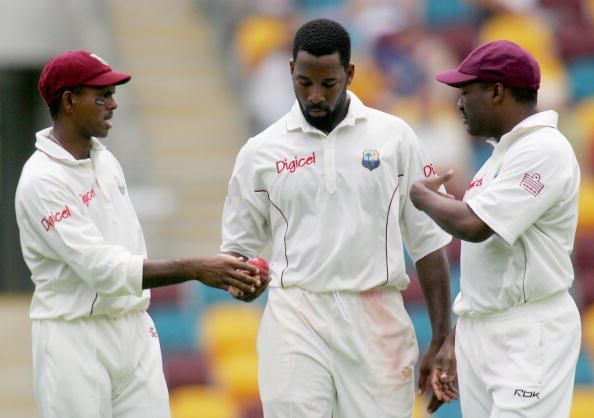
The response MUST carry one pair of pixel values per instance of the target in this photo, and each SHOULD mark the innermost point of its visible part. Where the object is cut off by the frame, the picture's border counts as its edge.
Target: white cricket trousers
(519, 363)
(99, 368)
(338, 354)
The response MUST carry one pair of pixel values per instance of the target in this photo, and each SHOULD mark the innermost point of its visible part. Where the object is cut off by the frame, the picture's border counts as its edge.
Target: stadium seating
(441, 13)
(237, 374)
(257, 36)
(166, 295)
(583, 399)
(229, 328)
(202, 402)
(584, 373)
(177, 329)
(183, 369)
(581, 76)
(253, 411)
(588, 330)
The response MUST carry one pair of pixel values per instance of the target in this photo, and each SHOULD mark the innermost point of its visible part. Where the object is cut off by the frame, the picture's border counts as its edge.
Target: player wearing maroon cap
(95, 349)
(517, 339)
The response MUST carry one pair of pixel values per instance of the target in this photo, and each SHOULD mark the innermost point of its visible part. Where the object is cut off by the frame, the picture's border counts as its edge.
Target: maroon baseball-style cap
(76, 68)
(496, 62)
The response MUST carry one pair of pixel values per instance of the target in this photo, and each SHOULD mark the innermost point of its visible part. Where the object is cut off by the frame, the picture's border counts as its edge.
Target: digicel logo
(86, 197)
(294, 164)
(475, 183)
(49, 221)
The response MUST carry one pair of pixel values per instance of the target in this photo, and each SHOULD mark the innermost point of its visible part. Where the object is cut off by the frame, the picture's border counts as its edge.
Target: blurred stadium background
(207, 74)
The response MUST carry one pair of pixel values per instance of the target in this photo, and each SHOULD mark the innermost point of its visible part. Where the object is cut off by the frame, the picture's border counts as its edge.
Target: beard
(332, 117)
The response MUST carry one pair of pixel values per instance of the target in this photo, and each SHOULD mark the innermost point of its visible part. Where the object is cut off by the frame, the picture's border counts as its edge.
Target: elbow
(476, 233)
(473, 228)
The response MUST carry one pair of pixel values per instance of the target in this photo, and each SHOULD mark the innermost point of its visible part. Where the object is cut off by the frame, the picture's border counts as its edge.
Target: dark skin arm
(221, 271)
(433, 272)
(263, 280)
(453, 216)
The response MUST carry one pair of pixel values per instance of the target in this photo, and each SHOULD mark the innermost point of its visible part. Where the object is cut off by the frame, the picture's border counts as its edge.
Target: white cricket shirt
(527, 192)
(80, 235)
(335, 207)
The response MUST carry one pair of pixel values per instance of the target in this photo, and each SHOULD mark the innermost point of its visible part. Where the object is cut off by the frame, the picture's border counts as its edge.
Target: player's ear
(350, 73)
(68, 100)
(497, 92)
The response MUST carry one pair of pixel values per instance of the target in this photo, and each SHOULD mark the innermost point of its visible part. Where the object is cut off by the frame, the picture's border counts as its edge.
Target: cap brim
(109, 78)
(455, 78)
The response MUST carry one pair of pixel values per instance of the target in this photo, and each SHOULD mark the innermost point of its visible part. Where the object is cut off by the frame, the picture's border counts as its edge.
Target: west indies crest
(370, 159)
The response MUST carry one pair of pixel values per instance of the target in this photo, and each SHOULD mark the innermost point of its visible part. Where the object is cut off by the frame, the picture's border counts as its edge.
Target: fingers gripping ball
(261, 264)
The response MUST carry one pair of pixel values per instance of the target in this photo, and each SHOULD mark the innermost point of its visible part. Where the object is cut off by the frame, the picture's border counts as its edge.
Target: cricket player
(518, 334)
(328, 184)
(95, 349)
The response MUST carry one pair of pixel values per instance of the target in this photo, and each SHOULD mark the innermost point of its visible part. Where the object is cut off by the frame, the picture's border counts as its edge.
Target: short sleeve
(245, 223)
(530, 180)
(420, 234)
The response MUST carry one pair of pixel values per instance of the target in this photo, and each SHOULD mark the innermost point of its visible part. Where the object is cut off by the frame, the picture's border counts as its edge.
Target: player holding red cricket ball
(261, 264)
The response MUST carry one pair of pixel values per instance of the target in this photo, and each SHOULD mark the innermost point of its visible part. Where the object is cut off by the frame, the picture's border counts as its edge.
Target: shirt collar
(46, 145)
(357, 111)
(547, 118)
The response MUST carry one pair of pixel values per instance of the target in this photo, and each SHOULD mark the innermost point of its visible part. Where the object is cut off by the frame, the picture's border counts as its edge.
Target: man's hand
(432, 184)
(264, 281)
(229, 273)
(443, 373)
(248, 297)
(424, 377)
(263, 276)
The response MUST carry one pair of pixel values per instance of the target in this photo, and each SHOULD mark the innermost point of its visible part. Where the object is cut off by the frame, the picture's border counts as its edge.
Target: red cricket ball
(260, 263)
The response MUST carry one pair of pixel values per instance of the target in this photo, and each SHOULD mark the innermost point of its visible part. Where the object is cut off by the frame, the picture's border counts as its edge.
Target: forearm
(157, 273)
(221, 271)
(433, 273)
(453, 216)
(452, 336)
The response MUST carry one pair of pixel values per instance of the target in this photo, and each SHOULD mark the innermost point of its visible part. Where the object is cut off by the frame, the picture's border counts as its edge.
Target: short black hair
(323, 37)
(523, 96)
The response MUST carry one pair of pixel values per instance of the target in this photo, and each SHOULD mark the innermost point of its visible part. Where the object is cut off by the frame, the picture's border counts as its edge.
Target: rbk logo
(521, 393)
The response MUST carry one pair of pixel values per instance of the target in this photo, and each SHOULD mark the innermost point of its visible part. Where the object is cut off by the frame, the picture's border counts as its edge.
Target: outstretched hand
(433, 184)
(231, 274)
(263, 275)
